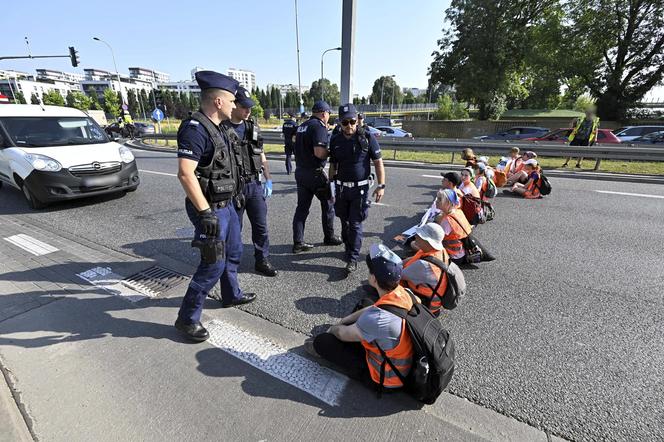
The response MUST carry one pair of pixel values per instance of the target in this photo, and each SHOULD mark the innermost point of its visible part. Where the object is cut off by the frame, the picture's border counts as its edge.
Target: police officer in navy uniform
(254, 163)
(310, 155)
(289, 129)
(209, 176)
(351, 152)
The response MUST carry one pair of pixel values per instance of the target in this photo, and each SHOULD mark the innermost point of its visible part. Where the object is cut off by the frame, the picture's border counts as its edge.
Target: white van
(55, 153)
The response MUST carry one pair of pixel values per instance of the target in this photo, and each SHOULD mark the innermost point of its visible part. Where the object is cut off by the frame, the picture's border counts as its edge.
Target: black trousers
(350, 357)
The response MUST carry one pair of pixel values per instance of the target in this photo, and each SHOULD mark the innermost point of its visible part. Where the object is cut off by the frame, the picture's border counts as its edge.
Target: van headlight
(43, 163)
(126, 154)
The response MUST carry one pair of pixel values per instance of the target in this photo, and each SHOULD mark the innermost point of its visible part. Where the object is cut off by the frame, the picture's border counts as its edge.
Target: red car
(604, 136)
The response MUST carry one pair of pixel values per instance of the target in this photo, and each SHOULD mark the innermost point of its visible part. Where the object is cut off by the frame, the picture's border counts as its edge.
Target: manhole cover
(153, 281)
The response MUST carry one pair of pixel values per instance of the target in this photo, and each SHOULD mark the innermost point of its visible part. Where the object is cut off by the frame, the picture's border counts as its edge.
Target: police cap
(321, 106)
(347, 112)
(215, 80)
(243, 98)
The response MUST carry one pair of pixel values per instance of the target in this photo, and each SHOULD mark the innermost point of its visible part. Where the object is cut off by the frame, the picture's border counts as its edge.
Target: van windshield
(52, 131)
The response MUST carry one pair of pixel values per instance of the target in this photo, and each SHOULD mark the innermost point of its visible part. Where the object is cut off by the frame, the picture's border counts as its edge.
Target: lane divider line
(30, 244)
(642, 195)
(157, 173)
(306, 375)
(438, 177)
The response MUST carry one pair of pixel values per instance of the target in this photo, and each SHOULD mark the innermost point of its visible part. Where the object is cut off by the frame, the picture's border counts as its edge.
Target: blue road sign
(157, 115)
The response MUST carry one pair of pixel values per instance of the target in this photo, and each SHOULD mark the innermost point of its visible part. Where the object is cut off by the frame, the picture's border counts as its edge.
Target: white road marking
(643, 195)
(379, 204)
(157, 173)
(104, 278)
(438, 177)
(308, 376)
(30, 244)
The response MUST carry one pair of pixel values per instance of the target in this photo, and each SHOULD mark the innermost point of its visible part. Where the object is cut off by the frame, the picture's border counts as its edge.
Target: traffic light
(73, 54)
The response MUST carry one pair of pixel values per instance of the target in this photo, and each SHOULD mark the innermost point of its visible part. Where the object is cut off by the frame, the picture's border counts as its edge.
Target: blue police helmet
(347, 112)
(211, 79)
(243, 98)
(321, 106)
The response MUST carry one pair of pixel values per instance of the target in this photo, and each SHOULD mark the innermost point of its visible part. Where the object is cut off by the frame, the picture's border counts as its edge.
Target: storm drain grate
(153, 281)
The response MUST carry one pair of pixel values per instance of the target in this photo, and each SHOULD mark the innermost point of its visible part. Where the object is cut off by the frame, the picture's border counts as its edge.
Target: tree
(449, 109)
(132, 102)
(111, 103)
(326, 90)
(384, 87)
(34, 99)
(53, 98)
(94, 99)
(257, 109)
(482, 52)
(78, 100)
(19, 98)
(622, 47)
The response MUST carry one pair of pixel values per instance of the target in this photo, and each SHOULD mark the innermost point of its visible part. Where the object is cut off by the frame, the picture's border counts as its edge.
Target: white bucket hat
(432, 233)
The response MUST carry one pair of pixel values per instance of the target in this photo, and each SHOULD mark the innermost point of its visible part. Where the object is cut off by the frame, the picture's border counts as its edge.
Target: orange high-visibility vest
(460, 230)
(423, 290)
(533, 192)
(401, 355)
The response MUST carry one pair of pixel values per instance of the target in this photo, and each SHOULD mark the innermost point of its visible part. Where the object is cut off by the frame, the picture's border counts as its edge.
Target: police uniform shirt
(194, 143)
(288, 129)
(353, 164)
(240, 129)
(311, 133)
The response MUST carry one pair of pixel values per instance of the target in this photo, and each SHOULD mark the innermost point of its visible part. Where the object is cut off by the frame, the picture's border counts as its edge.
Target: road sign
(157, 115)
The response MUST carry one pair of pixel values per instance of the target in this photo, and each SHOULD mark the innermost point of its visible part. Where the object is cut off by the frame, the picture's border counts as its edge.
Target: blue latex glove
(267, 189)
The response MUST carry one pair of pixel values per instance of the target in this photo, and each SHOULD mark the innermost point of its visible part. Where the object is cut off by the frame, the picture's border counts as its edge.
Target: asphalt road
(563, 331)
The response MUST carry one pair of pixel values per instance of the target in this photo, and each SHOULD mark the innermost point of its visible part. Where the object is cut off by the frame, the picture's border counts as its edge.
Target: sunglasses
(347, 122)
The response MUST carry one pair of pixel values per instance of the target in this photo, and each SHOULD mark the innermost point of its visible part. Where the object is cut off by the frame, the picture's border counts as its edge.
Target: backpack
(491, 189)
(544, 185)
(433, 353)
(472, 208)
(456, 283)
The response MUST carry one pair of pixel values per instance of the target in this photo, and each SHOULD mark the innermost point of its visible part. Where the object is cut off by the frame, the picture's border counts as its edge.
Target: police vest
(401, 355)
(218, 180)
(593, 130)
(249, 149)
(361, 140)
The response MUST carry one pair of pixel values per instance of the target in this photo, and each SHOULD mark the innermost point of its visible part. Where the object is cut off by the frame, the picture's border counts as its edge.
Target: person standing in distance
(254, 164)
(310, 156)
(289, 129)
(208, 174)
(584, 133)
(351, 152)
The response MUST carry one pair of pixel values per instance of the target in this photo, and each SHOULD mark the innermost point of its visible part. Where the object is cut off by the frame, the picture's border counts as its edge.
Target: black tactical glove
(209, 223)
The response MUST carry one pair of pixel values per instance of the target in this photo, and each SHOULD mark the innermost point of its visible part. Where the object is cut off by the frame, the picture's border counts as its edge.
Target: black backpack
(544, 185)
(433, 353)
(456, 283)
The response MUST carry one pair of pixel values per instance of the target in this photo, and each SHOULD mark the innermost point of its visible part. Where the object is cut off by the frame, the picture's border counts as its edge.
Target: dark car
(562, 136)
(516, 133)
(651, 138)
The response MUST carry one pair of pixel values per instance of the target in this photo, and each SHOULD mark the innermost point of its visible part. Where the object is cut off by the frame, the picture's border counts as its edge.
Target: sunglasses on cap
(347, 122)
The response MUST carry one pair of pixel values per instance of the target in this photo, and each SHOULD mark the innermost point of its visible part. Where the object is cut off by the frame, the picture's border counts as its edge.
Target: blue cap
(452, 196)
(211, 79)
(347, 112)
(243, 98)
(321, 106)
(384, 264)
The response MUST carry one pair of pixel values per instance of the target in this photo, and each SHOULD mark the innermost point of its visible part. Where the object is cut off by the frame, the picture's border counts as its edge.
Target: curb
(594, 176)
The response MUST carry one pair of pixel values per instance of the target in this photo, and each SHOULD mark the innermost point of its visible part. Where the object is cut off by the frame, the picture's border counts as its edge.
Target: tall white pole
(347, 49)
(299, 78)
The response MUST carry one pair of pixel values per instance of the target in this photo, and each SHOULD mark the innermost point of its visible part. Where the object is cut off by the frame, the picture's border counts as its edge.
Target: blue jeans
(256, 209)
(224, 271)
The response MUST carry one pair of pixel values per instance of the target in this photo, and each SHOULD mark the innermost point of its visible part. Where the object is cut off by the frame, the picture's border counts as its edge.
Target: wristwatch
(380, 186)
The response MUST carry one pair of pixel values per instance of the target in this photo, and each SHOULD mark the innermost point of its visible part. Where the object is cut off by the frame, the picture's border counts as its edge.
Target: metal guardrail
(633, 152)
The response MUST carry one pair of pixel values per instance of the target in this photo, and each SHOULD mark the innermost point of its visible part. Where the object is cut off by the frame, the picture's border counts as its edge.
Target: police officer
(250, 145)
(310, 156)
(289, 129)
(208, 173)
(351, 152)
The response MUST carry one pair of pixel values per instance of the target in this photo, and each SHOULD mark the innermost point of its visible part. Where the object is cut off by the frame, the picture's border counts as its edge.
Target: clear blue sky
(392, 37)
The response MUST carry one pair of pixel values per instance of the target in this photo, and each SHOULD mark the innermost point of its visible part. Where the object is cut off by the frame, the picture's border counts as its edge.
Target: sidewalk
(90, 353)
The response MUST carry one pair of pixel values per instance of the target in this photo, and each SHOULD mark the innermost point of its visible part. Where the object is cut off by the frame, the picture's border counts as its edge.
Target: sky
(393, 37)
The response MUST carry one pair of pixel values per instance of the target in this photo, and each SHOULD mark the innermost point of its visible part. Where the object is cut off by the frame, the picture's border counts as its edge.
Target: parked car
(562, 136)
(389, 131)
(141, 129)
(651, 138)
(375, 132)
(516, 133)
(54, 153)
(629, 133)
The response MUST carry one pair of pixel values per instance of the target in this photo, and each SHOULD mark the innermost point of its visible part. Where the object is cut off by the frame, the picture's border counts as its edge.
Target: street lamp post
(322, 91)
(117, 73)
(391, 104)
(297, 42)
(382, 87)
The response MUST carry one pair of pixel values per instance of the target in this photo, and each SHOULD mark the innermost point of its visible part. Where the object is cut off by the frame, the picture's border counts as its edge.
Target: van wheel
(33, 202)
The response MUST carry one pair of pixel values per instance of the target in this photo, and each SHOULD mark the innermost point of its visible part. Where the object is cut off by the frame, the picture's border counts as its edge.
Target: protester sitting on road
(529, 190)
(470, 158)
(467, 186)
(519, 175)
(422, 277)
(482, 181)
(452, 180)
(354, 343)
(454, 224)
